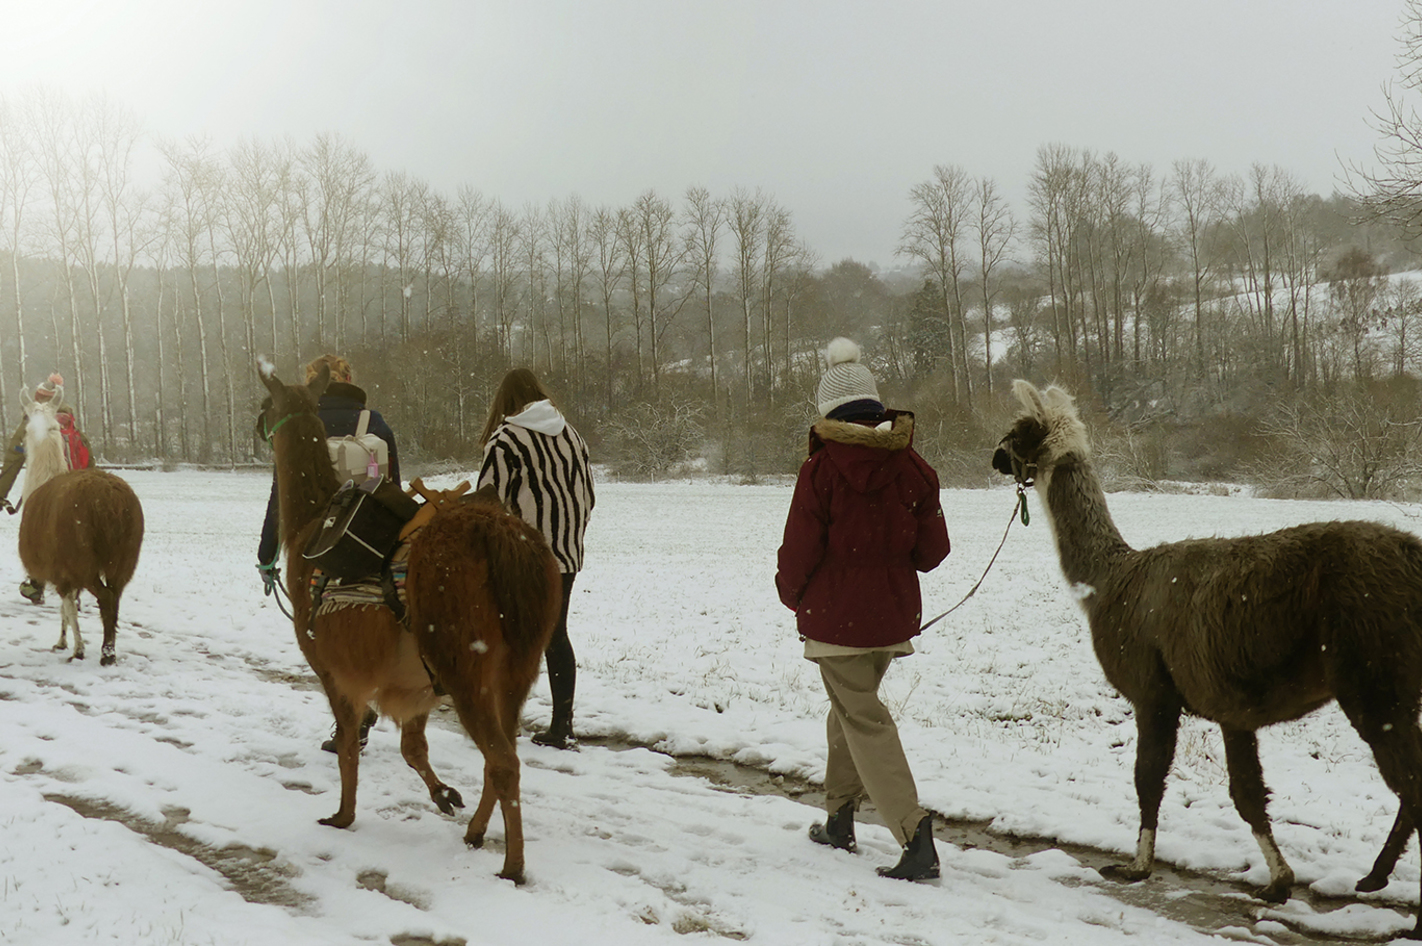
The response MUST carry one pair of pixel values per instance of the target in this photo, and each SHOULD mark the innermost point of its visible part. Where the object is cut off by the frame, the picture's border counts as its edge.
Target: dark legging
(562, 665)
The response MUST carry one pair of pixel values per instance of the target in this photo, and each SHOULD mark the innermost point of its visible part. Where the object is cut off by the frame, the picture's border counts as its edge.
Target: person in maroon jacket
(865, 519)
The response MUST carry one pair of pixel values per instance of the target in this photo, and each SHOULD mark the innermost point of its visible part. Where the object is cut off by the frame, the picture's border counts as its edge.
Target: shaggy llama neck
(1088, 541)
(305, 479)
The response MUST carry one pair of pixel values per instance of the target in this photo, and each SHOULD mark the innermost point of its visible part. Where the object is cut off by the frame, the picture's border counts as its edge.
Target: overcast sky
(834, 108)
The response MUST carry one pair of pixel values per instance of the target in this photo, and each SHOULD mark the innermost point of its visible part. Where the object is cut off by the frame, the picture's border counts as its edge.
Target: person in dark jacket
(539, 465)
(339, 409)
(864, 520)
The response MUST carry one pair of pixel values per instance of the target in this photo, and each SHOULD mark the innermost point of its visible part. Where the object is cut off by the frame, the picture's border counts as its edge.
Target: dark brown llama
(79, 531)
(360, 654)
(484, 594)
(1244, 632)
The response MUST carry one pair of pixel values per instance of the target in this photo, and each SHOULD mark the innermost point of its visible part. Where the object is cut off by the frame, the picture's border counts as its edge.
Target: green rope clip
(1022, 506)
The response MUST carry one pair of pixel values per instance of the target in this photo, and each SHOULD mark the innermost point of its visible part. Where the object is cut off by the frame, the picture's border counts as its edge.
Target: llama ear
(1060, 401)
(1030, 399)
(267, 372)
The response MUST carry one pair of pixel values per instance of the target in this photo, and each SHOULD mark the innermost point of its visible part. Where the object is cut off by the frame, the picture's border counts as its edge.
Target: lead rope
(1019, 509)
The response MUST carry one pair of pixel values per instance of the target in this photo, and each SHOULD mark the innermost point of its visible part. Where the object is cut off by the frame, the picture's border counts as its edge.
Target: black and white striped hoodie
(539, 465)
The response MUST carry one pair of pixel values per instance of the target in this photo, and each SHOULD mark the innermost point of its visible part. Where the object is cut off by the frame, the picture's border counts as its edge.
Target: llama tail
(525, 589)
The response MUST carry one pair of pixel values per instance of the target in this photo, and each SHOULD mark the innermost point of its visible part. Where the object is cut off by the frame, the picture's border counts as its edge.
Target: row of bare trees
(155, 300)
(705, 311)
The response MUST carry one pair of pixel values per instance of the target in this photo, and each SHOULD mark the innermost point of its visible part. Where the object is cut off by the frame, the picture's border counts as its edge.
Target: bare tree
(704, 218)
(1393, 190)
(125, 208)
(995, 228)
(503, 261)
(1199, 196)
(338, 179)
(653, 217)
(254, 230)
(745, 219)
(609, 270)
(190, 212)
(19, 175)
(53, 121)
(934, 235)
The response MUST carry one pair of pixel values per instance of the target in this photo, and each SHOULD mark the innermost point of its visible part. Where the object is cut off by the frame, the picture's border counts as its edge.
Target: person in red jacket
(864, 520)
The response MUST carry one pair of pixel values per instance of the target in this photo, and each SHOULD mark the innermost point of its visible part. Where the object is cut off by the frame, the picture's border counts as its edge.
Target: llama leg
(494, 737)
(69, 617)
(108, 613)
(416, 750)
(1402, 830)
(1396, 740)
(1250, 796)
(479, 823)
(1156, 729)
(63, 642)
(347, 740)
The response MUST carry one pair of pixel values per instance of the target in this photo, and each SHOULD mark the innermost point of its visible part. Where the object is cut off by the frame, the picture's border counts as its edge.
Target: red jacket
(864, 521)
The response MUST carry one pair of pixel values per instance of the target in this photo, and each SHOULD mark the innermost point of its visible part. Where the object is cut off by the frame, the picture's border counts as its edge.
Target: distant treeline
(679, 332)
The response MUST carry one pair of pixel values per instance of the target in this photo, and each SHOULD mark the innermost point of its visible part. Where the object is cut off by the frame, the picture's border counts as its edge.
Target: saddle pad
(363, 592)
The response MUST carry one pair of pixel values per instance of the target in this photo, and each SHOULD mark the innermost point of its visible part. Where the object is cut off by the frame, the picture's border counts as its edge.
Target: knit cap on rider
(49, 387)
(847, 388)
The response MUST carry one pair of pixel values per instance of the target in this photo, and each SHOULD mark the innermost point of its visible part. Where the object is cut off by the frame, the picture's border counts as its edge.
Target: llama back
(84, 509)
(513, 567)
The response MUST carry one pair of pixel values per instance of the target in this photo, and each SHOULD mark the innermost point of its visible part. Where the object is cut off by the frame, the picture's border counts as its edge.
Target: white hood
(540, 416)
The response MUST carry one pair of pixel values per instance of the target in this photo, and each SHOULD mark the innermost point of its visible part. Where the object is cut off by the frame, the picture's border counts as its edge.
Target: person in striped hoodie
(539, 465)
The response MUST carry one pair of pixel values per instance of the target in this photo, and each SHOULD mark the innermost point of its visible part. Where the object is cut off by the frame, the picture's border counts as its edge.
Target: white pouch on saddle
(359, 456)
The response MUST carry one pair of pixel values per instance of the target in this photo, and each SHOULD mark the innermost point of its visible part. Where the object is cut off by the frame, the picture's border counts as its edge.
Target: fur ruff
(897, 437)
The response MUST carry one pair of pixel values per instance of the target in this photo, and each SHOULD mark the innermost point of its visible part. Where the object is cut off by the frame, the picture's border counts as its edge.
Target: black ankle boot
(920, 857)
(838, 829)
(558, 735)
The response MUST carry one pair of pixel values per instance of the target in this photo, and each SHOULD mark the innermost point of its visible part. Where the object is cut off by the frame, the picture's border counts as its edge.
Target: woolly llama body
(1244, 632)
(79, 531)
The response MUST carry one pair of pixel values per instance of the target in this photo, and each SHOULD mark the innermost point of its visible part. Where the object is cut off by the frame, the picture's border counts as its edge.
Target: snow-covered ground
(205, 737)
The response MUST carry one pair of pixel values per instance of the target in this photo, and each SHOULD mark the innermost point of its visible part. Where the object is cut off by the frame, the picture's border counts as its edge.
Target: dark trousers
(562, 665)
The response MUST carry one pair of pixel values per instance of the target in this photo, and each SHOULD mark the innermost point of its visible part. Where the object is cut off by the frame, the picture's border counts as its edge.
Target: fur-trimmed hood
(865, 456)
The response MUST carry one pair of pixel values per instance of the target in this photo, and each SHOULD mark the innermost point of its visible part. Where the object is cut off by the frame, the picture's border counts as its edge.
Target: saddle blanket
(364, 592)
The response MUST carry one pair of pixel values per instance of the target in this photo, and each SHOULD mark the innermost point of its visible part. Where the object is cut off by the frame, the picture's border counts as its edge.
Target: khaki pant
(865, 755)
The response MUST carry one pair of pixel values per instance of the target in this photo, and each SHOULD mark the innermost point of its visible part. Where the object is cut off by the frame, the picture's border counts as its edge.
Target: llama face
(1019, 452)
(42, 418)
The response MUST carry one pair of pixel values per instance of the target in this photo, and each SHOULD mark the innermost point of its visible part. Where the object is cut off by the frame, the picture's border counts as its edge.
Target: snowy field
(173, 798)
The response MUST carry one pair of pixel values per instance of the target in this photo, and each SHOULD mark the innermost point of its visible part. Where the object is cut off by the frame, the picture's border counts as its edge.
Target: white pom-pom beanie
(845, 380)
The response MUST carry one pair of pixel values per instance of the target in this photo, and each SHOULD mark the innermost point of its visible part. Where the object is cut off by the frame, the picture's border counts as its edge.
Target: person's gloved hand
(269, 577)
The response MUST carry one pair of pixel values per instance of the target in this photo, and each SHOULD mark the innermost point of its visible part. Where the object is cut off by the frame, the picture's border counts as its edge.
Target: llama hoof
(1123, 873)
(475, 841)
(515, 875)
(338, 820)
(1370, 883)
(77, 655)
(448, 799)
(108, 660)
(1274, 893)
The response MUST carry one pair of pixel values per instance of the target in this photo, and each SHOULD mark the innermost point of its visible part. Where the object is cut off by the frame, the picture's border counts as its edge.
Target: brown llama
(360, 654)
(1244, 632)
(484, 595)
(79, 531)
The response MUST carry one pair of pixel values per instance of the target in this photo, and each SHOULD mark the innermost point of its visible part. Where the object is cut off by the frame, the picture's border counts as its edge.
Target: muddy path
(1210, 903)
(1207, 902)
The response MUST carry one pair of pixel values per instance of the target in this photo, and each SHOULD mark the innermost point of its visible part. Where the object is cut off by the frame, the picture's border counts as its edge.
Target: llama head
(41, 418)
(287, 400)
(1048, 430)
